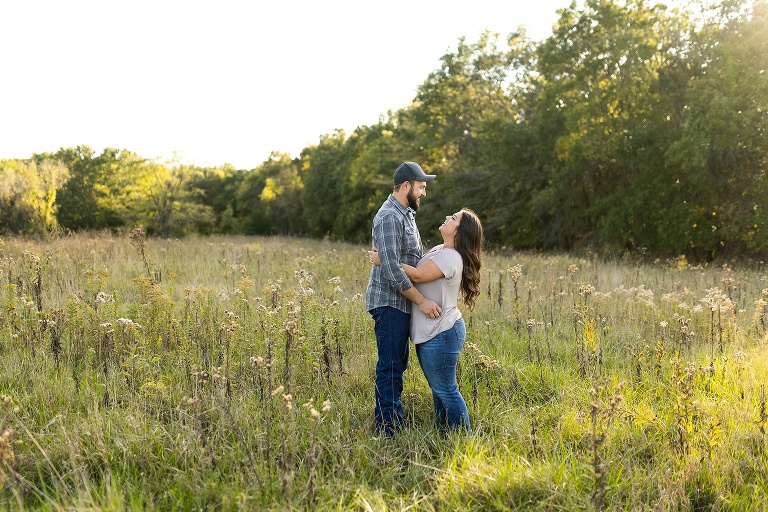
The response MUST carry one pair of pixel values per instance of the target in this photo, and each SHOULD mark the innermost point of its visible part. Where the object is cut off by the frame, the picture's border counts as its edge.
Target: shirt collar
(403, 209)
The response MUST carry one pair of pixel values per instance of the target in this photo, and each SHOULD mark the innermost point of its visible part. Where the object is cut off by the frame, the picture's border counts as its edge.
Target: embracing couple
(416, 295)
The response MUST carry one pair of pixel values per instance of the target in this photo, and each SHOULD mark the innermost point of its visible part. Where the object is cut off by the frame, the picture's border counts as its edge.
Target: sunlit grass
(196, 376)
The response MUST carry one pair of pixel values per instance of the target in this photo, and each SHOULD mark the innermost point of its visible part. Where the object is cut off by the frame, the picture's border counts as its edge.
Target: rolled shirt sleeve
(387, 237)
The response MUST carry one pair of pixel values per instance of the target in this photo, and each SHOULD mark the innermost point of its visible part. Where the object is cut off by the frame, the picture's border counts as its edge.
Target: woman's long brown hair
(469, 243)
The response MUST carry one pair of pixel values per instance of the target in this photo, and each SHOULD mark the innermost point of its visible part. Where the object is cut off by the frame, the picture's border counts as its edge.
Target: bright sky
(224, 81)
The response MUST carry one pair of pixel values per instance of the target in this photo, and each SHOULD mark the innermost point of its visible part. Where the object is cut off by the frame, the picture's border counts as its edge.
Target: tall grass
(236, 373)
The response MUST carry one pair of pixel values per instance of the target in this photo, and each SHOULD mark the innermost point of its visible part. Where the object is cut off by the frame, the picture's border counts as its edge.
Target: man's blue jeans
(391, 327)
(438, 358)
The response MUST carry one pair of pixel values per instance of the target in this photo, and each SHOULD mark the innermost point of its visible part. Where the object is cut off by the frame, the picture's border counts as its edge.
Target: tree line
(632, 129)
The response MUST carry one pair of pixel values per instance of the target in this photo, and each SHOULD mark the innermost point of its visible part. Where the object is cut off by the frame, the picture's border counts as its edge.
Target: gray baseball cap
(409, 171)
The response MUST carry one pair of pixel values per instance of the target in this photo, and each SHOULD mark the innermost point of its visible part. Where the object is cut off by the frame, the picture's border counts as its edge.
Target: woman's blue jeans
(391, 327)
(438, 358)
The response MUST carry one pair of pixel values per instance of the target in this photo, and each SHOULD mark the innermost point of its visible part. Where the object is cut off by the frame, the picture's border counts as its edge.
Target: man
(389, 290)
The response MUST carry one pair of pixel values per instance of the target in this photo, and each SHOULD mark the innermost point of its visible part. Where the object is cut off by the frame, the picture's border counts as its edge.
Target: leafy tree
(270, 197)
(720, 156)
(598, 107)
(48, 176)
(347, 178)
(16, 213)
(99, 189)
(375, 153)
(451, 104)
(323, 171)
(167, 204)
(28, 194)
(631, 128)
(216, 189)
(461, 117)
(281, 195)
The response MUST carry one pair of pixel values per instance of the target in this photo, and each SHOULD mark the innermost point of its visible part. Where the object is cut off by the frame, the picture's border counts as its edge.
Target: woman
(441, 275)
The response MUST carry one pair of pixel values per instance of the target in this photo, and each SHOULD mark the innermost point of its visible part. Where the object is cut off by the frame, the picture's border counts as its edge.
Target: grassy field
(237, 374)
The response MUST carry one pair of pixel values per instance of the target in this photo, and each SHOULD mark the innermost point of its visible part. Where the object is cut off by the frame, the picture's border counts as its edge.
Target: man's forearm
(428, 307)
(413, 295)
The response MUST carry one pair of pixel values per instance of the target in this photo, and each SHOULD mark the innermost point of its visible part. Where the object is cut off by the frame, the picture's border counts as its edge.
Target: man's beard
(413, 201)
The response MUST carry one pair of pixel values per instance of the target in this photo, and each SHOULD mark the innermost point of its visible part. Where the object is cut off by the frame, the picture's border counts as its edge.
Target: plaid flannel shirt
(397, 238)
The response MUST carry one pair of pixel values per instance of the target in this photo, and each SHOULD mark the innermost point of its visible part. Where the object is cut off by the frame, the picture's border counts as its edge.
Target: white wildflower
(127, 322)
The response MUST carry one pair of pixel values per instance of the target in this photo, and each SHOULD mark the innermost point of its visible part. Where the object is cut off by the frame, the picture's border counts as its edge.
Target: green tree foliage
(632, 128)
(323, 170)
(347, 178)
(99, 189)
(599, 86)
(369, 181)
(28, 194)
(16, 213)
(217, 190)
(721, 153)
(270, 197)
(167, 203)
(462, 117)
